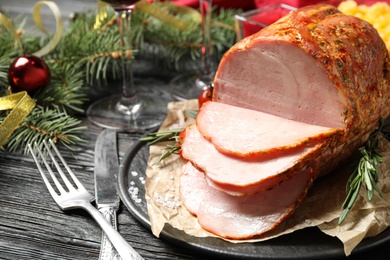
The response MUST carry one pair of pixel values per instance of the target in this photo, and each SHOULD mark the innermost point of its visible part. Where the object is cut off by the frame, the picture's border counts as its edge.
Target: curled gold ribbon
(156, 12)
(9, 25)
(59, 26)
(21, 105)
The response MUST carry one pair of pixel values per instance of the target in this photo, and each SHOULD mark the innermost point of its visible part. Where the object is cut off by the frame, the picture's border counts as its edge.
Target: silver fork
(76, 196)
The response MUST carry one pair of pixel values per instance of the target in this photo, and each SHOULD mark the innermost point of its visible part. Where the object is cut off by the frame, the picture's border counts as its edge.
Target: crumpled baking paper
(321, 207)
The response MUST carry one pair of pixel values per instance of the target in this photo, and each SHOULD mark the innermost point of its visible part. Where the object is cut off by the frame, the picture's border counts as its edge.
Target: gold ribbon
(21, 105)
(9, 25)
(59, 26)
(156, 12)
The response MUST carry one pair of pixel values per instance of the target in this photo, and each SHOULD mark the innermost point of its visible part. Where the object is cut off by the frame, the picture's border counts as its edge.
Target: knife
(106, 193)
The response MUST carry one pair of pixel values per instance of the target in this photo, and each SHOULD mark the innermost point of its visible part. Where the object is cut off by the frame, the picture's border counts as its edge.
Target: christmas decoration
(165, 35)
(28, 73)
(87, 51)
(21, 105)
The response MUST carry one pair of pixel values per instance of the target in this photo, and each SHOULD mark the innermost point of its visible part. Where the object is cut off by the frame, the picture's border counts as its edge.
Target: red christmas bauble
(28, 73)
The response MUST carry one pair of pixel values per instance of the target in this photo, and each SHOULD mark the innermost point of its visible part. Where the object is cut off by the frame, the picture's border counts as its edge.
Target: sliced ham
(240, 217)
(240, 176)
(259, 133)
(315, 65)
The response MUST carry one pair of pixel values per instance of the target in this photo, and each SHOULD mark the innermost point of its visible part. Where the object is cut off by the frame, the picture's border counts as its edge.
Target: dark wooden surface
(33, 227)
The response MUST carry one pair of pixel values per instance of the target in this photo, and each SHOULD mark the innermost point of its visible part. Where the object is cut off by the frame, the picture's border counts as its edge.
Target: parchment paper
(321, 207)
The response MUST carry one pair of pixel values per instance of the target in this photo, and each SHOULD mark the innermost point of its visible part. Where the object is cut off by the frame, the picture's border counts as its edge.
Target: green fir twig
(44, 123)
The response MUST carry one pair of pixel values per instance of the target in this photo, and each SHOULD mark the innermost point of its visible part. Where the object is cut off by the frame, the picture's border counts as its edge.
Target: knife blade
(106, 193)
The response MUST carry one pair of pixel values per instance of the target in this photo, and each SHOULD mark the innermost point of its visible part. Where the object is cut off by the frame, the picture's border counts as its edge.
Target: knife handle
(107, 250)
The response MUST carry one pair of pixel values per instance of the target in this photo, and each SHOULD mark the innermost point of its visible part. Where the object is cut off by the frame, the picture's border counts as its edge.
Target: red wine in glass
(132, 110)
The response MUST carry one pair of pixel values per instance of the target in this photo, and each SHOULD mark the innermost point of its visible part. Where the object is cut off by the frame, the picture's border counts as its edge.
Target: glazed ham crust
(315, 65)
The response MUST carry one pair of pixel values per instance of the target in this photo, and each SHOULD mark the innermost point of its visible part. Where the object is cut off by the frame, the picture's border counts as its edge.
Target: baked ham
(240, 217)
(242, 176)
(260, 133)
(316, 66)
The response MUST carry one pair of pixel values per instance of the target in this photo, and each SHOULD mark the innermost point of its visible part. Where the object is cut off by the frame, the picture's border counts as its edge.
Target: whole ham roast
(289, 104)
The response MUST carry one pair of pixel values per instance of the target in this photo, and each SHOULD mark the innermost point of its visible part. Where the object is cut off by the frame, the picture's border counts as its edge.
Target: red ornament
(28, 73)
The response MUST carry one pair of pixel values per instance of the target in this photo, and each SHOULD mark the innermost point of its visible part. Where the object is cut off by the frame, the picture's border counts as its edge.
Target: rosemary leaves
(365, 174)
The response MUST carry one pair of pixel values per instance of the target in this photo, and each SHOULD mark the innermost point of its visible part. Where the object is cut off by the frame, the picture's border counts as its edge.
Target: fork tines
(51, 153)
(76, 196)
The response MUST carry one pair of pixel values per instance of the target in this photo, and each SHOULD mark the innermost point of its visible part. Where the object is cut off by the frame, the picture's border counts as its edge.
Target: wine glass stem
(205, 9)
(129, 96)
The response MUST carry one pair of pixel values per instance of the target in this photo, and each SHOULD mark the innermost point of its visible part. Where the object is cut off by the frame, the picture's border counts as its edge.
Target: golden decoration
(59, 26)
(9, 25)
(21, 105)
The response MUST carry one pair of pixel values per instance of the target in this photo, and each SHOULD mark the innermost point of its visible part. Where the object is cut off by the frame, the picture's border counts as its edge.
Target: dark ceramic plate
(309, 243)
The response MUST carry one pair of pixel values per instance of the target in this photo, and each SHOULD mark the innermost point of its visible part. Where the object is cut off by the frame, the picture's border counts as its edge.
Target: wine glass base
(149, 113)
(188, 86)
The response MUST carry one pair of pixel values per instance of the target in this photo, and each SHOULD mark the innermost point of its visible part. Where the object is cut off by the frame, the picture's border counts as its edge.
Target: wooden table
(33, 227)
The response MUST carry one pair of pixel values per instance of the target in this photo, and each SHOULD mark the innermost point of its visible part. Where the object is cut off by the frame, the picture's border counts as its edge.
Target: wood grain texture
(33, 227)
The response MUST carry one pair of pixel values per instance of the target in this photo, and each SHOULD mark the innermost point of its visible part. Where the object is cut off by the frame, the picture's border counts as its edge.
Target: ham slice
(315, 65)
(240, 176)
(259, 133)
(240, 217)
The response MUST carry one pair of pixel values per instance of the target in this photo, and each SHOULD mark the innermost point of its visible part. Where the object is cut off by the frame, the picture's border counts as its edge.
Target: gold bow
(21, 105)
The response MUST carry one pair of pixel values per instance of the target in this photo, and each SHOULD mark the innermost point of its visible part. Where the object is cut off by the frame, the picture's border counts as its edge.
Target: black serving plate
(309, 243)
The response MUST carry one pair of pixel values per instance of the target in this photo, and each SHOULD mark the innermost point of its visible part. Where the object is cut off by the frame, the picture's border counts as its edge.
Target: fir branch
(64, 93)
(365, 174)
(86, 55)
(171, 47)
(3, 75)
(43, 124)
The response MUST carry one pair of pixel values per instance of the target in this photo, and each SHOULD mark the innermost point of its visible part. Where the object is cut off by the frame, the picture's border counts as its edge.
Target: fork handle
(107, 251)
(120, 244)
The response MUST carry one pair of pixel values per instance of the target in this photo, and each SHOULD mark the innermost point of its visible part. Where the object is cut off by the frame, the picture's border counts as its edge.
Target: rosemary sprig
(161, 136)
(192, 113)
(168, 135)
(365, 174)
(165, 136)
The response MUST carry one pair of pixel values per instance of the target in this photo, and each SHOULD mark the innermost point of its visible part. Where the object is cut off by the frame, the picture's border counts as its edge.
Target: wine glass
(189, 86)
(131, 110)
